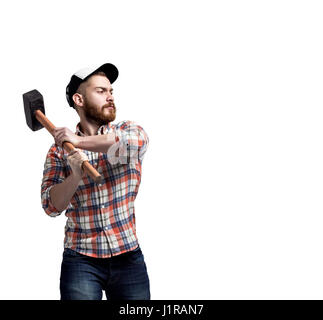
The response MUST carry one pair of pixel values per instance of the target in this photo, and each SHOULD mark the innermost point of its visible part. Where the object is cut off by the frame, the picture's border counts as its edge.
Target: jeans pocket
(136, 256)
(69, 253)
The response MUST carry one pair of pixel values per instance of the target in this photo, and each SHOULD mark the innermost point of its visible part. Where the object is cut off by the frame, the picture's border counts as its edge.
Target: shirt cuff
(47, 204)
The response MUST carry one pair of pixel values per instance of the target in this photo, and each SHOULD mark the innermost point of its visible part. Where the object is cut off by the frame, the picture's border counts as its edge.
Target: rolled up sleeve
(53, 173)
(133, 141)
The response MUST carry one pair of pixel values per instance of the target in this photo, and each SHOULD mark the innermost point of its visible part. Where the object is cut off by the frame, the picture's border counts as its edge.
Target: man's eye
(100, 91)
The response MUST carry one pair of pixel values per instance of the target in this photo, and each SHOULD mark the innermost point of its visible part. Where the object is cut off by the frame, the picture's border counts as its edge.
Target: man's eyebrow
(104, 88)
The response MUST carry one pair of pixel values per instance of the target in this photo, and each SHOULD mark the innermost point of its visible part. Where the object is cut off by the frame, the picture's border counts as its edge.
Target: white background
(230, 94)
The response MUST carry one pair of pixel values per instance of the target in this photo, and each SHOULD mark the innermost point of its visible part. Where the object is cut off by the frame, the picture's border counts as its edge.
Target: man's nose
(110, 97)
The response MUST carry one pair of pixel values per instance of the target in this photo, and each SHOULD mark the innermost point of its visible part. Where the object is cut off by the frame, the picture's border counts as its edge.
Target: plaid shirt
(101, 219)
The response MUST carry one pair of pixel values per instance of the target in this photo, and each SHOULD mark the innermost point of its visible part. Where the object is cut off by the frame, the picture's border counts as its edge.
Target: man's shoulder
(56, 151)
(127, 125)
(123, 123)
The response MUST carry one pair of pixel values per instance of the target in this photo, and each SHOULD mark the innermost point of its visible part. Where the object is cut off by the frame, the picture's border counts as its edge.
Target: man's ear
(78, 99)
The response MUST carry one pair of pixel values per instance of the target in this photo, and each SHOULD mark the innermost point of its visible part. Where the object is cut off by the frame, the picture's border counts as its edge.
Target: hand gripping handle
(86, 166)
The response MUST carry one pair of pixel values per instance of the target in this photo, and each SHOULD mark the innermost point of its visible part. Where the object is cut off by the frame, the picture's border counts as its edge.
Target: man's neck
(89, 128)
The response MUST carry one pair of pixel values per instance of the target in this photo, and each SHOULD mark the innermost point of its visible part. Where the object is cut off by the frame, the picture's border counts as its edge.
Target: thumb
(73, 151)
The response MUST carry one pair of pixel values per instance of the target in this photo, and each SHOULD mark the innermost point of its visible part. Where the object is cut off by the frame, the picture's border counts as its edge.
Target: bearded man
(101, 248)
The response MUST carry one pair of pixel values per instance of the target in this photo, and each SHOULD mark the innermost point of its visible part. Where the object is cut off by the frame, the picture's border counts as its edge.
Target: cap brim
(109, 70)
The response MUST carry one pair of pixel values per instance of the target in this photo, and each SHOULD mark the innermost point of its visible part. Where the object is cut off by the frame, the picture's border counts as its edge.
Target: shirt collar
(104, 129)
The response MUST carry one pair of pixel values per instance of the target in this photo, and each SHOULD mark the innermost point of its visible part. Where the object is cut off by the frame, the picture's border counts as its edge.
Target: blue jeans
(122, 277)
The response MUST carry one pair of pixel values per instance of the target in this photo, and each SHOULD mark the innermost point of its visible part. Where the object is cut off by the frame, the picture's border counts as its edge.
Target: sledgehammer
(36, 119)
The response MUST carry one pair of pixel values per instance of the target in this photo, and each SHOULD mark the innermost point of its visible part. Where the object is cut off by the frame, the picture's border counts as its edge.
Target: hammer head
(33, 100)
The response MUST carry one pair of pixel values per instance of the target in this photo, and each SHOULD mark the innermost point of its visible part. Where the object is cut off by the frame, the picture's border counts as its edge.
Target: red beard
(99, 115)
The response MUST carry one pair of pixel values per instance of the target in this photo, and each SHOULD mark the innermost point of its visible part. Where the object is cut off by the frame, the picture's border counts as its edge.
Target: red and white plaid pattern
(101, 219)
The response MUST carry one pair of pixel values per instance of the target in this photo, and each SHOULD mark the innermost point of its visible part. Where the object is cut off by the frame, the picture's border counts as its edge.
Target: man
(101, 250)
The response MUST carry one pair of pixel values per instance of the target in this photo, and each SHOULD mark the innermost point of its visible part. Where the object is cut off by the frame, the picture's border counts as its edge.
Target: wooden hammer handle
(87, 167)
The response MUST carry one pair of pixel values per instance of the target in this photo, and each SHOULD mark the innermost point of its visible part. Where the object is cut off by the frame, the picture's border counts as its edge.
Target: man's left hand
(62, 134)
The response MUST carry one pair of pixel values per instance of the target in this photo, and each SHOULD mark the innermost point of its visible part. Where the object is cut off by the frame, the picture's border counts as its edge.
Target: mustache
(109, 105)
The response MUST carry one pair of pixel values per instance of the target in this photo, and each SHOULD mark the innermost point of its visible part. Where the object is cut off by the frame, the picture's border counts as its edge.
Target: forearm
(62, 193)
(97, 143)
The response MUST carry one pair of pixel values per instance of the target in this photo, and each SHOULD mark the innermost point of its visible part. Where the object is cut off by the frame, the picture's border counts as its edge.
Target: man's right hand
(75, 160)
